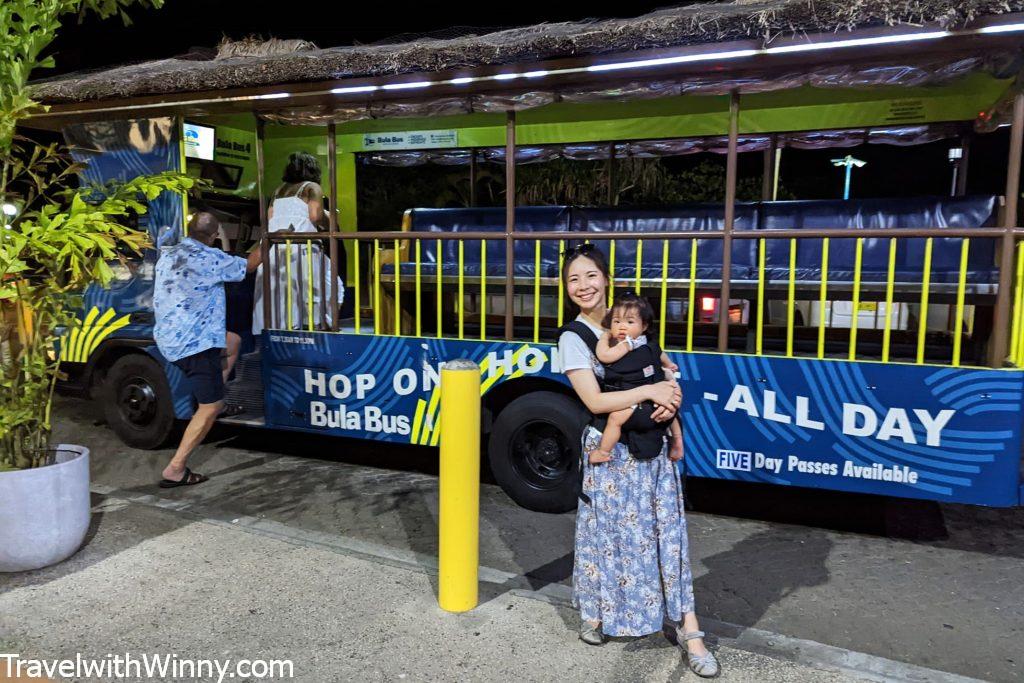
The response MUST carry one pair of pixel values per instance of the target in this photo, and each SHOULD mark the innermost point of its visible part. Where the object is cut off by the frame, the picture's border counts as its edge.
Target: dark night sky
(182, 24)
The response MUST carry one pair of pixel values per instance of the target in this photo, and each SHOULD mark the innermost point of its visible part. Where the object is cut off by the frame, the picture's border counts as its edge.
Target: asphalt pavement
(324, 551)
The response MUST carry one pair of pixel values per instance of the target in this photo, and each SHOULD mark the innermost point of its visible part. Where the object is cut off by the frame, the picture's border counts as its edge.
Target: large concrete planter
(44, 511)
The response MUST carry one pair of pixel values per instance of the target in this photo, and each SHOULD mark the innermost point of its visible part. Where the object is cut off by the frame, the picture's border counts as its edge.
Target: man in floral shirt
(188, 300)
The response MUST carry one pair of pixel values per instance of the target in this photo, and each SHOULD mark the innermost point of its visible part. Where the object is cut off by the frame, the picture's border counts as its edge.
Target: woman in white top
(632, 567)
(297, 206)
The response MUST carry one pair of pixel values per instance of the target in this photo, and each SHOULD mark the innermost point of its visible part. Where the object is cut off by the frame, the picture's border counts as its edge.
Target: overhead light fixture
(1004, 28)
(406, 86)
(462, 80)
(535, 74)
(679, 59)
(354, 89)
(273, 96)
(859, 42)
(505, 77)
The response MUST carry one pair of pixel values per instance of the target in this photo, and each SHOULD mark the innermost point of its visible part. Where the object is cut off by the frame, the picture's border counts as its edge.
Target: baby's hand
(671, 367)
(597, 456)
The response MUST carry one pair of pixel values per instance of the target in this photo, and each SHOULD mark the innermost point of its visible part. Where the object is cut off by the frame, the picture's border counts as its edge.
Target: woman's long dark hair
(302, 167)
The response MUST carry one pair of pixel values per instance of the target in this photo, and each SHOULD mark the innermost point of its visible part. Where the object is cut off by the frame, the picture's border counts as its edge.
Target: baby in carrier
(630, 360)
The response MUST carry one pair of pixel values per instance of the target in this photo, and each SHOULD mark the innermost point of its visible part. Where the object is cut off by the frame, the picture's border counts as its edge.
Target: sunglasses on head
(578, 250)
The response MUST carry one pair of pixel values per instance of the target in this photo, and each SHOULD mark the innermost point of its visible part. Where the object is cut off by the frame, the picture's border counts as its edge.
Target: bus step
(246, 389)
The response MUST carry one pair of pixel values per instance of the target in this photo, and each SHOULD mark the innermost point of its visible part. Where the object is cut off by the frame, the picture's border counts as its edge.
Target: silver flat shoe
(590, 634)
(706, 665)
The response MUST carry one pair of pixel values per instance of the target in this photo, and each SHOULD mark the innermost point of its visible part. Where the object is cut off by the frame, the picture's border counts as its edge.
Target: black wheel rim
(136, 401)
(541, 455)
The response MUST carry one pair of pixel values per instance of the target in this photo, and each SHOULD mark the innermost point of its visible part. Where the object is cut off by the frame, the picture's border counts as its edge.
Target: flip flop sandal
(706, 665)
(591, 634)
(190, 479)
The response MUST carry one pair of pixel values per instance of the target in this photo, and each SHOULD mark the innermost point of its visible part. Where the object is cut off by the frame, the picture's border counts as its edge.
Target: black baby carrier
(644, 437)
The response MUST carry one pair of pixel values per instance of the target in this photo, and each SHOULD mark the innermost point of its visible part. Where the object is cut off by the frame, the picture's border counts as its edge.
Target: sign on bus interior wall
(950, 434)
(417, 139)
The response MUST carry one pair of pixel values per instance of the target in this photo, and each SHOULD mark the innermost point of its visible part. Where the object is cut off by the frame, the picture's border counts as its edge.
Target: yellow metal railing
(536, 291)
(961, 291)
(483, 289)
(790, 299)
(1016, 333)
(400, 298)
(823, 297)
(922, 330)
(664, 294)
(890, 284)
(759, 332)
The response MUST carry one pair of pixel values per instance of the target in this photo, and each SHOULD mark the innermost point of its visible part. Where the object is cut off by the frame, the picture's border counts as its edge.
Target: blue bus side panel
(862, 427)
(376, 387)
(121, 151)
(855, 426)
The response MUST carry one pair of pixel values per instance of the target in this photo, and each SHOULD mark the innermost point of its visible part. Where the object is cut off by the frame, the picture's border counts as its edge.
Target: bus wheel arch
(98, 366)
(137, 401)
(534, 444)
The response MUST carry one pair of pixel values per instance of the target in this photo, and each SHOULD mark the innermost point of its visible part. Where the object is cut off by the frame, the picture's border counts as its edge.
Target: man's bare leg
(234, 345)
(197, 429)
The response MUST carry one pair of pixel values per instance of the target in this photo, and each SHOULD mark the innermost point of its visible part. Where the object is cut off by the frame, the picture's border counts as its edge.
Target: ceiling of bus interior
(899, 115)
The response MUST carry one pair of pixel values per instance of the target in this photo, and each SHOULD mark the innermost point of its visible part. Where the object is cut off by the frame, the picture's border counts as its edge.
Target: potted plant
(55, 241)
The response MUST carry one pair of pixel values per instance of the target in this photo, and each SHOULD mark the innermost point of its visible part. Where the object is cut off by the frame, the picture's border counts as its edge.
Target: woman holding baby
(632, 569)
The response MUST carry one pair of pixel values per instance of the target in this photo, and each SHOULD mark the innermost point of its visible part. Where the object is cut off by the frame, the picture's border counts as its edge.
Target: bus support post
(965, 160)
(1002, 313)
(264, 243)
(332, 175)
(510, 221)
(730, 213)
(472, 176)
(459, 487)
(768, 171)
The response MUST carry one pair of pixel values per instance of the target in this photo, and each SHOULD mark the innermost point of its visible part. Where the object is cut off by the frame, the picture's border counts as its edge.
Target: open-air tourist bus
(865, 345)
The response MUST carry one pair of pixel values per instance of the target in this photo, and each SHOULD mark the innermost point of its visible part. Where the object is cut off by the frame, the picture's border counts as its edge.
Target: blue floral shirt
(189, 297)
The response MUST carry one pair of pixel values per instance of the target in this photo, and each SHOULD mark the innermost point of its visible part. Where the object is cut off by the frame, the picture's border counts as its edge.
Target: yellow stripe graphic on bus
(79, 343)
(426, 426)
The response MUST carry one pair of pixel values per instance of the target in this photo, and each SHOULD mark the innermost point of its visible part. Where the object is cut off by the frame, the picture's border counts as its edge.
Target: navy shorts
(203, 370)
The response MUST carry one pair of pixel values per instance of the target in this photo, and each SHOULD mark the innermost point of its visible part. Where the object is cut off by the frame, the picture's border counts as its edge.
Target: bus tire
(137, 402)
(534, 450)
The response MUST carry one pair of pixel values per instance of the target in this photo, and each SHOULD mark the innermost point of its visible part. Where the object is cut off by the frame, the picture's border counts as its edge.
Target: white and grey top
(574, 353)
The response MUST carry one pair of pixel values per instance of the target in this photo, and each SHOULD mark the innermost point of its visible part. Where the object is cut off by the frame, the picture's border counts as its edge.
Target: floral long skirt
(632, 567)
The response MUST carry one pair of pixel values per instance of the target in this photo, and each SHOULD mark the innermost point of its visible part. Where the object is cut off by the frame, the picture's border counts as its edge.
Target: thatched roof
(237, 66)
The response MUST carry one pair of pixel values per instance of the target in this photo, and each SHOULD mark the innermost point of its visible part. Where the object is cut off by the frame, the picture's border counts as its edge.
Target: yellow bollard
(459, 524)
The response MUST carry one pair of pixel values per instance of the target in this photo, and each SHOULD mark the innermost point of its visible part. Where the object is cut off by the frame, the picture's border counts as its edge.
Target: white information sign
(416, 139)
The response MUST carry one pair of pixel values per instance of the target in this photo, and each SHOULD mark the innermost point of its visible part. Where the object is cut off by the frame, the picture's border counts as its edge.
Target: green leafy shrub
(55, 239)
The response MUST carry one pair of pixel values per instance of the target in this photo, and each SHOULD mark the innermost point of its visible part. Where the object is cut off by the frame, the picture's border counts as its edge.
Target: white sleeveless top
(291, 213)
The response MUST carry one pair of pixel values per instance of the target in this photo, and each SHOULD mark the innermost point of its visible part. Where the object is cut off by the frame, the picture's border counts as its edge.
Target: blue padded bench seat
(911, 212)
(576, 222)
(486, 219)
(691, 217)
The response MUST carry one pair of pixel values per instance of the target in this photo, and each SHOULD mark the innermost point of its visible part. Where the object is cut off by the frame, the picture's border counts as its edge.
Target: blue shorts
(203, 370)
